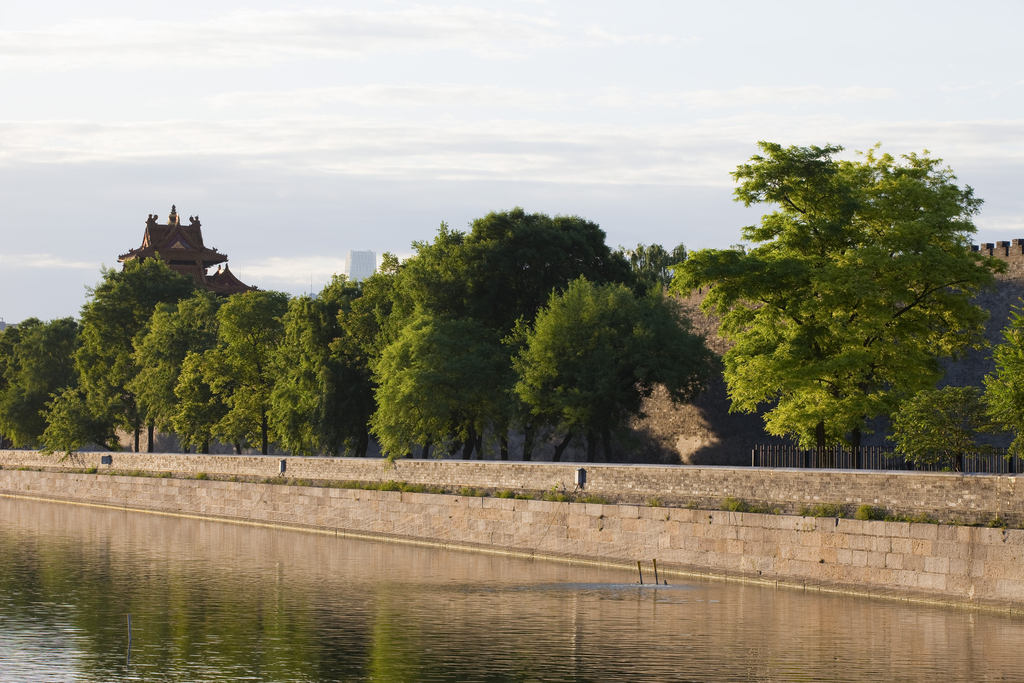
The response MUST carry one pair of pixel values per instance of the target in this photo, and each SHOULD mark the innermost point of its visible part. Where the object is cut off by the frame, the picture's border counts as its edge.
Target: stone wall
(706, 433)
(971, 498)
(943, 563)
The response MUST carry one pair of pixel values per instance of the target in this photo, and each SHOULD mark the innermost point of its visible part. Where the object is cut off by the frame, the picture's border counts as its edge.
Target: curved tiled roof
(181, 247)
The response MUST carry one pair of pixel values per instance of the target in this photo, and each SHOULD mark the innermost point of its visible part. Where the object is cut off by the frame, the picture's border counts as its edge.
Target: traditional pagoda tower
(181, 247)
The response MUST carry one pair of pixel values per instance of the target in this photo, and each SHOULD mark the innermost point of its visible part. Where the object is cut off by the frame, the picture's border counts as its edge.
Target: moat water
(213, 601)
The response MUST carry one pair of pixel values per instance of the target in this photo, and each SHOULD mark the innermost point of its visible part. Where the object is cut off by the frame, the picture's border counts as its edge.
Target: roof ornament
(193, 221)
(173, 218)
(151, 221)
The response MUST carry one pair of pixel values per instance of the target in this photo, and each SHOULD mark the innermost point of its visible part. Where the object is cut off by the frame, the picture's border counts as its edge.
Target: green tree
(240, 370)
(862, 280)
(435, 386)
(1004, 388)
(71, 424)
(119, 308)
(516, 259)
(39, 365)
(322, 400)
(652, 265)
(9, 338)
(597, 351)
(500, 273)
(940, 426)
(198, 408)
(160, 349)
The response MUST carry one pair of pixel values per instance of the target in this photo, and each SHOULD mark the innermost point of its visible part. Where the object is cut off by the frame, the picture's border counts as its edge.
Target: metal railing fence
(879, 458)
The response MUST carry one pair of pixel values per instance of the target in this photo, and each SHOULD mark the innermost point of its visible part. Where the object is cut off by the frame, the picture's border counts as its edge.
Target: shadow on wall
(703, 432)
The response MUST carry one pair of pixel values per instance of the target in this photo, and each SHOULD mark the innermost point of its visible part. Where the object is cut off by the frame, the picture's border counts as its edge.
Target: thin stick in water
(129, 659)
(640, 571)
(656, 582)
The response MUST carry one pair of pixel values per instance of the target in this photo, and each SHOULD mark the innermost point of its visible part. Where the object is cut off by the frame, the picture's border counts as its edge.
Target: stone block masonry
(969, 499)
(964, 565)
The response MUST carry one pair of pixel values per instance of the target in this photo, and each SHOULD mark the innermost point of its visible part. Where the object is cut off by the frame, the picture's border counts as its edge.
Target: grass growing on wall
(823, 510)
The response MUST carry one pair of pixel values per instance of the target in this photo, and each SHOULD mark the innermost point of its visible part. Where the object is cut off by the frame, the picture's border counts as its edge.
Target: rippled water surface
(212, 601)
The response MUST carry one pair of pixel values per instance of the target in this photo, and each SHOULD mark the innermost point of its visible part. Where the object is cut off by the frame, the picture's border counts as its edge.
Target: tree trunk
(206, 446)
(238, 448)
(606, 441)
(591, 446)
(149, 436)
(479, 446)
(263, 433)
(819, 435)
(425, 453)
(467, 447)
(528, 443)
(137, 430)
(362, 444)
(504, 445)
(557, 457)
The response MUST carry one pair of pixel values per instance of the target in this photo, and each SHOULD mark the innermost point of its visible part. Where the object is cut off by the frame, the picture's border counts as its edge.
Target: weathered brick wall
(973, 498)
(958, 564)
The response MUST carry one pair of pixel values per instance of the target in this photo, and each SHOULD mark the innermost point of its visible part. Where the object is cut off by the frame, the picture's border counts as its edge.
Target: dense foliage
(597, 351)
(38, 361)
(940, 426)
(1004, 388)
(453, 350)
(119, 309)
(861, 280)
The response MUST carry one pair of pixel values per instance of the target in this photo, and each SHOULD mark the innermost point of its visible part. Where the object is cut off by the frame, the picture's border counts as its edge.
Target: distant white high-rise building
(360, 265)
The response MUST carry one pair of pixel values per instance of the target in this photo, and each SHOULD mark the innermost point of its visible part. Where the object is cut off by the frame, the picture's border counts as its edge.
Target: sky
(298, 131)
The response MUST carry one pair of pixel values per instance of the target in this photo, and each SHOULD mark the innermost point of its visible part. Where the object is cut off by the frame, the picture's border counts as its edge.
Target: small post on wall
(581, 478)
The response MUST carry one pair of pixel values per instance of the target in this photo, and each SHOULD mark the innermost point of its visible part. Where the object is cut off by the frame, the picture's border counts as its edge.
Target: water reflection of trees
(221, 601)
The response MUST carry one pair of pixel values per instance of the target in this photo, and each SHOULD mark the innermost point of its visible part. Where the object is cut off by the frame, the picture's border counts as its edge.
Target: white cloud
(43, 261)
(700, 152)
(442, 95)
(259, 38)
(601, 37)
(499, 149)
(292, 271)
(741, 97)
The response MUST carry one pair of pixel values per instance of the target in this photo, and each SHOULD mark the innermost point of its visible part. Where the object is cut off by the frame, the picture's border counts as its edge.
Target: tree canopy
(436, 385)
(322, 399)
(161, 346)
(597, 351)
(652, 264)
(941, 426)
(487, 282)
(39, 362)
(857, 284)
(240, 370)
(1004, 388)
(119, 308)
